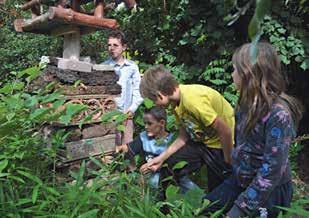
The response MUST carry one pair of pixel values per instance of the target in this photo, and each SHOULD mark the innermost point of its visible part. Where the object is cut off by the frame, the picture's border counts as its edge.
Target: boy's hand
(153, 165)
(130, 114)
(121, 149)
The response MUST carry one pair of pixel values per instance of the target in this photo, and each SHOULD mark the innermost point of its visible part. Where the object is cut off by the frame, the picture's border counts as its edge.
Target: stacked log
(97, 90)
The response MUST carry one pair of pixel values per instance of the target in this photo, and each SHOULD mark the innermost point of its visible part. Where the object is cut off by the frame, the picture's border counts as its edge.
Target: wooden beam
(78, 18)
(64, 30)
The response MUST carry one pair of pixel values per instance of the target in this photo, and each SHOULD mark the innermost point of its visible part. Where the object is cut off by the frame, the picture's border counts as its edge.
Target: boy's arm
(155, 164)
(225, 136)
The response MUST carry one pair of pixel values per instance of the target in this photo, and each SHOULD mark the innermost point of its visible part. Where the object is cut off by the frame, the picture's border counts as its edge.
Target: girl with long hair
(266, 122)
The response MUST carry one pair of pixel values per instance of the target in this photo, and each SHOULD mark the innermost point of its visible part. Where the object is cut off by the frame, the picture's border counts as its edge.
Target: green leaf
(51, 97)
(172, 193)
(65, 119)
(39, 113)
(107, 117)
(76, 83)
(89, 214)
(3, 165)
(254, 28)
(281, 30)
(52, 191)
(8, 88)
(72, 109)
(121, 128)
(180, 165)
(305, 64)
(31, 177)
(35, 193)
(16, 178)
(148, 103)
(262, 8)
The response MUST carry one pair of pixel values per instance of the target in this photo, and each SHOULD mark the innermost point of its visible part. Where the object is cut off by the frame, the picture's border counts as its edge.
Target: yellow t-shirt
(198, 108)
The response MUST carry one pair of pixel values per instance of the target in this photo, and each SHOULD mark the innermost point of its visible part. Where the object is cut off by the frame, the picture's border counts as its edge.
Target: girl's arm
(279, 133)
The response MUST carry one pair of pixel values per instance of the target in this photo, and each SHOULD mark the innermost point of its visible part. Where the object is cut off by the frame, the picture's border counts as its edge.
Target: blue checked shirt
(129, 80)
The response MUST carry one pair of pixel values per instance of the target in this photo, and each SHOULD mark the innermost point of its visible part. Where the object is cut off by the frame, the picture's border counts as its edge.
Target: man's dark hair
(118, 34)
(157, 112)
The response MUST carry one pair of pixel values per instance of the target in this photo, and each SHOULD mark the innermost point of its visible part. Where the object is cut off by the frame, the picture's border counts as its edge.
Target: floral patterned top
(260, 158)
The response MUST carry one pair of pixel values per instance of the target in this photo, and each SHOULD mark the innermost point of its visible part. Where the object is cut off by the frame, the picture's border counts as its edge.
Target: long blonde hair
(262, 84)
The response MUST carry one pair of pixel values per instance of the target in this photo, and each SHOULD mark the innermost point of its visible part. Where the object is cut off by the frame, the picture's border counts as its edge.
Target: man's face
(153, 127)
(115, 48)
(162, 100)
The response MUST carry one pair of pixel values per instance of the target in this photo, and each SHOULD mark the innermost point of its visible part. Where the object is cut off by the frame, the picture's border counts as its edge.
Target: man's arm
(225, 136)
(136, 96)
(156, 163)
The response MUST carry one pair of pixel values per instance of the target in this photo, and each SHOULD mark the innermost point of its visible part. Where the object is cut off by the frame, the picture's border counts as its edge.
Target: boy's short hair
(118, 34)
(157, 112)
(157, 79)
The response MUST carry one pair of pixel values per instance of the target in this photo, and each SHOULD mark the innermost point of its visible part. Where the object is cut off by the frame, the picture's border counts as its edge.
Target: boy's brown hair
(157, 79)
(118, 34)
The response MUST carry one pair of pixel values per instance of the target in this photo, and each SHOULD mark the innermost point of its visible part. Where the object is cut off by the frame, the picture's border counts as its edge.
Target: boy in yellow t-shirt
(206, 126)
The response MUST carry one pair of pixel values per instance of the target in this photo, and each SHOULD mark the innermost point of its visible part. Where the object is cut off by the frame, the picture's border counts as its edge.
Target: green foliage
(218, 75)
(297, 209)
(289, 47)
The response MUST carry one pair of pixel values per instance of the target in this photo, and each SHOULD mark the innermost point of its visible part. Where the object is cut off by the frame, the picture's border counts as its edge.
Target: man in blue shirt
(129, 80)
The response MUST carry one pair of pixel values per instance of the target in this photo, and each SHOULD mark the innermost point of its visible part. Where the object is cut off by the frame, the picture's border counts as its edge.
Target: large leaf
(3, 165)
(180, 165)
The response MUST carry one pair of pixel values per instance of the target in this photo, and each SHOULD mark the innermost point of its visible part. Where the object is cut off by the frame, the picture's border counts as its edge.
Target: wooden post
(71, 45)
(75, 5)
(99, 9)
(130, 3)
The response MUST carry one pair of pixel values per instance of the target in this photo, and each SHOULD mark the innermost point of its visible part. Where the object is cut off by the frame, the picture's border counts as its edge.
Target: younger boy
(205, 118)
(129, 80)
(151, 143)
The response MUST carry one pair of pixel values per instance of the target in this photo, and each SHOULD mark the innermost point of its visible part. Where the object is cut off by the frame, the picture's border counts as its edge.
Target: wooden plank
(73, 63)
(90, 147)
(65, 30)
(103, 67)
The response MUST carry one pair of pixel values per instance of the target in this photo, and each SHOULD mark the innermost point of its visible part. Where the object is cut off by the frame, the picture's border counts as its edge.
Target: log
(99, 9)
(30, 4)
(28, 24)
(71, 16)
